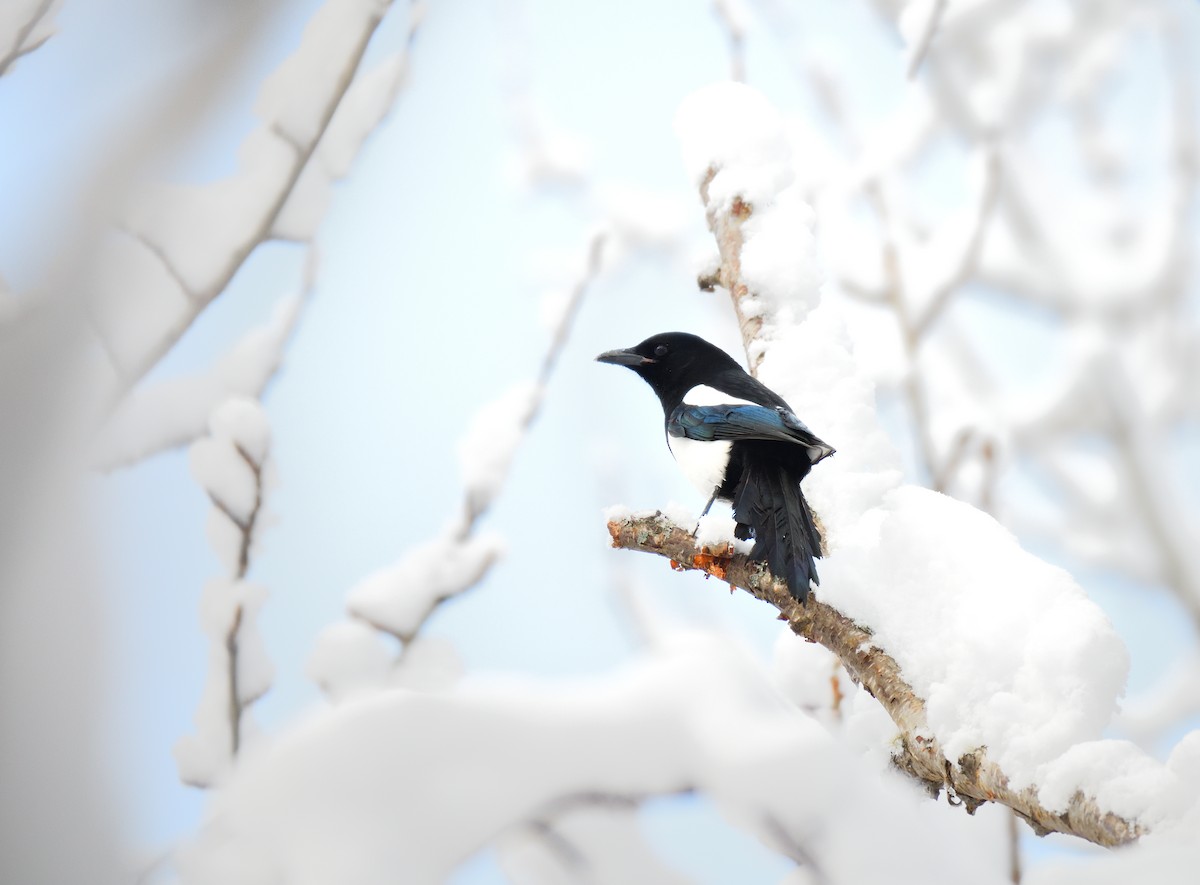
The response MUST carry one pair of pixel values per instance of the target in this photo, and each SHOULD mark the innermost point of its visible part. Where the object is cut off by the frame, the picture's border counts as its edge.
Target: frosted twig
(973, 777)
(235, 696)
(246, 527)
(230, 464)
(473, 509)
(921, 48)
(22, 45)
(449, 565)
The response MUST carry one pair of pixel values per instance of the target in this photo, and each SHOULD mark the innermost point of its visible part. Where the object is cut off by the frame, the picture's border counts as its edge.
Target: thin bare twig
(237, 703)
(235, 700)
(473, 510)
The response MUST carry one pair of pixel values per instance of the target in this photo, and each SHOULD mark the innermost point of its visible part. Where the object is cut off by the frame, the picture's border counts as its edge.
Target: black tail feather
(769, 502)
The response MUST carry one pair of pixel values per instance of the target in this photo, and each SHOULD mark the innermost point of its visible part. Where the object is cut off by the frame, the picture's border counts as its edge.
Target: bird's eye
(661, 350)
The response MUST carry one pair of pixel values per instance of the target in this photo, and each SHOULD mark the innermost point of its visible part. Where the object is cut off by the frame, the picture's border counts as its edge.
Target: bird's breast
(703, 463)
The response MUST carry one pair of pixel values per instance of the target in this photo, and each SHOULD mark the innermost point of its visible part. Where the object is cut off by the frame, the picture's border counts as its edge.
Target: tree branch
(22, 45)
(268, 211)
(972, 777)
(921, 47)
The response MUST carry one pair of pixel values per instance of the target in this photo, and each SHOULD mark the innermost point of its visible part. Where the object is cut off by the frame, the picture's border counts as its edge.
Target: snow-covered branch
(929, 603)
(351, 795)
(186, 243)
(232, 466)
(163, 415)
(972, 777)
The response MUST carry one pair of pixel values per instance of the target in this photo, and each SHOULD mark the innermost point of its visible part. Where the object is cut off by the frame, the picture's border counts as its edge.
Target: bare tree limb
(972, 778)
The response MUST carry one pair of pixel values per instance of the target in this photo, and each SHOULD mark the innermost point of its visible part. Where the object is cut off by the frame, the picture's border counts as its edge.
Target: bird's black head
(672, 363)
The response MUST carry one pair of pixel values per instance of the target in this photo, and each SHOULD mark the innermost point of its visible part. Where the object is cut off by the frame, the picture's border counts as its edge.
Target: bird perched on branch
(737, 440)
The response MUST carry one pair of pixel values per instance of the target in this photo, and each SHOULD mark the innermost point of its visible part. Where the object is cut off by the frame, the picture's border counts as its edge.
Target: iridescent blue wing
(714, 423)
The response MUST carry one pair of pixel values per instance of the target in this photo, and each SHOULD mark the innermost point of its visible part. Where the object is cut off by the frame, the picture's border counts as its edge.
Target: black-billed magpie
(736, 440)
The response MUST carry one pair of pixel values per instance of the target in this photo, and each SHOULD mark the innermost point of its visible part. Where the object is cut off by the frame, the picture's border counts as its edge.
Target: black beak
(624, 358)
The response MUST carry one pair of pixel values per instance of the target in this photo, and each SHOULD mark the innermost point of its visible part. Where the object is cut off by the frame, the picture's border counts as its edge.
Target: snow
(202, 229)
(225, 475)
(398, 598)
(297, 94)
(349, 657)
(736, 131)
(774, 236)
(228, 463)
(355, 793)
(680, 514)
(242, 421)
(1007, 651)
(1118, 775)
(617, 512)
(364, 107)
(163, 415)
(717, 527)
(486, 450)
(1170, 855)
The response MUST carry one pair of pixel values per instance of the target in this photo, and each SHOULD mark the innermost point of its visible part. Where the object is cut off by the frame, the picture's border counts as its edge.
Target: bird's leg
(704, 513)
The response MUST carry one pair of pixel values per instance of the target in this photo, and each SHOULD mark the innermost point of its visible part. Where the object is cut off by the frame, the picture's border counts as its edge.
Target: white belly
(703, 463)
